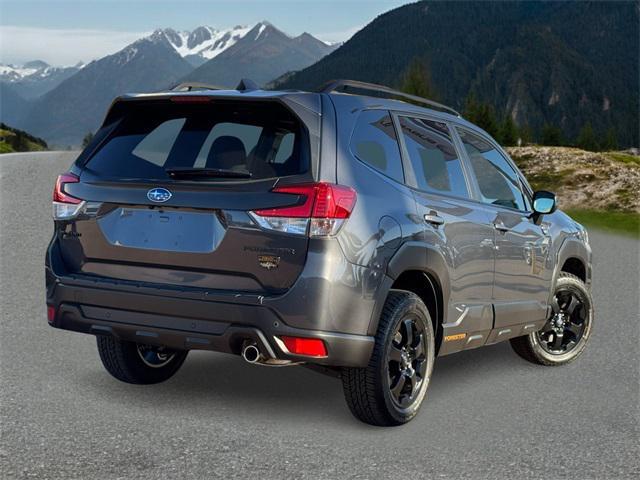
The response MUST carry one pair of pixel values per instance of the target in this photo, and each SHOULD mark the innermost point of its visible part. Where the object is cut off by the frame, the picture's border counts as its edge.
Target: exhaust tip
(251, 353)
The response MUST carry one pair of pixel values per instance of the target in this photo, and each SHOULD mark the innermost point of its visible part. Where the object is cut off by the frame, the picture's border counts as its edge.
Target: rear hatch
(172, 192)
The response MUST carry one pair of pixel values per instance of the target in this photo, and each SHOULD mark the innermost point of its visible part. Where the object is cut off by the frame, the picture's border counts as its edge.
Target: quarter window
(374, 142)
(498, 181)
(433, 157)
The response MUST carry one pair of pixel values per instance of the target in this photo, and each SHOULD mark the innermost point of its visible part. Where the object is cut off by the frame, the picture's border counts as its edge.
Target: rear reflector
(51, 313)
(322, 207)
(311, 347)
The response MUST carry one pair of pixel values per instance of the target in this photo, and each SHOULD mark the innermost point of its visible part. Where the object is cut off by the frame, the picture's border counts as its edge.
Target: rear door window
(433, 157)
(264, 140)
(374, 142)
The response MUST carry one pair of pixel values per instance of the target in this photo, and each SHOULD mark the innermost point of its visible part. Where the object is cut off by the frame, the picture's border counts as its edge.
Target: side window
(433, 156)
(374, 142)
(498, 181)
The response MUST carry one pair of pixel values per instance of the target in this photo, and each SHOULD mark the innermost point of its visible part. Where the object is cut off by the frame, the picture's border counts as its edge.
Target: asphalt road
(488, 414)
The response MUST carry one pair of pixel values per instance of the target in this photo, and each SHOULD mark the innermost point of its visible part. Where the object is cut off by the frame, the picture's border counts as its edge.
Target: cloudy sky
(63, 32)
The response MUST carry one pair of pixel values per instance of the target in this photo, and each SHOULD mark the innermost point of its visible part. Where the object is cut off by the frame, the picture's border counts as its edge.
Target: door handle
(433, 218)
(501, 227)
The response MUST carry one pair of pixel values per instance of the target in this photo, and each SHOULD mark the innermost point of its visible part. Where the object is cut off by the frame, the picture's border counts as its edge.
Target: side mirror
(544, 202)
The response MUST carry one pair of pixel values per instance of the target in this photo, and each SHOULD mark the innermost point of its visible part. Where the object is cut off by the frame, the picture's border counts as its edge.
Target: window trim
(403, 166)
(498, 148)
(412, 182)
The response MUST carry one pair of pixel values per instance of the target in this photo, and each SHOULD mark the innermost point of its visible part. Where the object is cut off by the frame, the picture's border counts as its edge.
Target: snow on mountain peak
(204, 41)
(14, 73)
(30, 71)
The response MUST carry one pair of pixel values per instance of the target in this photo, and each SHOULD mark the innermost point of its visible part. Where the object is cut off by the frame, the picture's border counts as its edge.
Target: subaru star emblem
(159, 195)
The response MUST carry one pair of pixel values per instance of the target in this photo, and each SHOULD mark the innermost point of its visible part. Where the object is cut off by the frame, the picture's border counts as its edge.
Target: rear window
(263, 139)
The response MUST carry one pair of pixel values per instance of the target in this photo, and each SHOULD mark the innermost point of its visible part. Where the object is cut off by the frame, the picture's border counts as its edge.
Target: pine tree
(417, 80)
(526, 135)
(487, 120)
(610, 140)
(587, 138)
(87, 139)
(471, 108)
(508, 132)
(551, 135)
(482, 114)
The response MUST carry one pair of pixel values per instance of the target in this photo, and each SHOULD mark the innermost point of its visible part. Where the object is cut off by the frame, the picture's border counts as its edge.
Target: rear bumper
(189, 319)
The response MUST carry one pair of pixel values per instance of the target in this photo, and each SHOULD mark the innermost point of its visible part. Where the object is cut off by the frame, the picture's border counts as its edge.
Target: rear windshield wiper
(206, 172)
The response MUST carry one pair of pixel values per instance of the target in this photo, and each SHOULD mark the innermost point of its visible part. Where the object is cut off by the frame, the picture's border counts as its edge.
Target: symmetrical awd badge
(268, 261)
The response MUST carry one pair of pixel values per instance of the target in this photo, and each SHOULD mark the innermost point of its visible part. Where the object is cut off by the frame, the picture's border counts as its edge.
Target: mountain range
(568, 65)
(35, 78)
(262, 54)
(565, 64)
(66, 110)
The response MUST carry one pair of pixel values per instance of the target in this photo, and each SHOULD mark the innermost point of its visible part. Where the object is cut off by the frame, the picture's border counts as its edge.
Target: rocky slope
(585, 180)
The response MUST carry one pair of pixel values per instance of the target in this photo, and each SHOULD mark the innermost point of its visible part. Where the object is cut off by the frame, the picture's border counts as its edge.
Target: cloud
(339, 36)
(60, 46)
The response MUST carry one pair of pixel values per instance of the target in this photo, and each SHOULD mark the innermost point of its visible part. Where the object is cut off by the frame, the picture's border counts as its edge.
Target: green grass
(618, 222)
(624, 158)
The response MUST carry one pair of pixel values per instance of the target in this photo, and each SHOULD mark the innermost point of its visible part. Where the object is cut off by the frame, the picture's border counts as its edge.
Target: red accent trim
(58, 192)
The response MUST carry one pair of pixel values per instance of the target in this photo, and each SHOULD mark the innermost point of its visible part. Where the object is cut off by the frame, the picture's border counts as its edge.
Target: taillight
(320, 211)
(65, 207)
(311, 347)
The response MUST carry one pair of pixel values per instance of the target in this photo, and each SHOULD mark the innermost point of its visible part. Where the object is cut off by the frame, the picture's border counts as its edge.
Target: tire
(368, 390)
(533, 347)
(124, 360)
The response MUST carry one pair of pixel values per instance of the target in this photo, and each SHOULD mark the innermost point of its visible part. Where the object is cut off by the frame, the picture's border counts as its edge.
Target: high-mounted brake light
(320, 211)
(311, 347)
(65, 207)
(190, 99)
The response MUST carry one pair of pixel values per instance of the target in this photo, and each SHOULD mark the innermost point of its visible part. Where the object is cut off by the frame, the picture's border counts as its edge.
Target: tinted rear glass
(263, 139)
(374, 142)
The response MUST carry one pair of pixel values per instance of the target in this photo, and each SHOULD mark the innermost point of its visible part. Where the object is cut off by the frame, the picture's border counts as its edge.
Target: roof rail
(337, 85)
(188, 86)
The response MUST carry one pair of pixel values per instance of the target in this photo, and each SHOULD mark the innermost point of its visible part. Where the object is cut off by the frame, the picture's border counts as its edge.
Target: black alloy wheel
(407, 362)
(567, 324)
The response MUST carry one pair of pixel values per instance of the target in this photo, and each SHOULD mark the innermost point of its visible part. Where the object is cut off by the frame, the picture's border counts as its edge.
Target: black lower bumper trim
(189, 334)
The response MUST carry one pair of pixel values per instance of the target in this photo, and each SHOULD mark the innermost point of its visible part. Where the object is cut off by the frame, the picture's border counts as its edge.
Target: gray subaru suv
(359, 235)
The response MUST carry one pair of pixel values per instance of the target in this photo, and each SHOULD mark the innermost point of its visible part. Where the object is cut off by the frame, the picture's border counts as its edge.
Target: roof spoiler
(189, 86)
(245, 85)
(342, 85)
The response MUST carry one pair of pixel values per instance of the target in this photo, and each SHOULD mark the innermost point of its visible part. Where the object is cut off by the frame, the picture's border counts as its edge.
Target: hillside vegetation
(600, 189)
(569, 69)
(14, 140)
